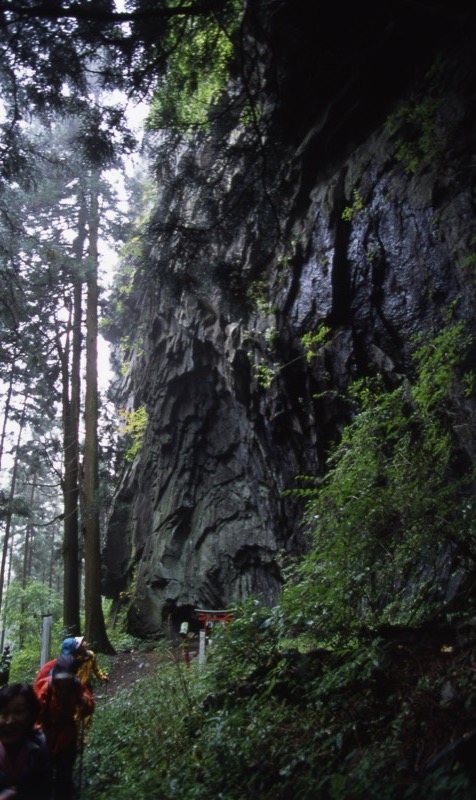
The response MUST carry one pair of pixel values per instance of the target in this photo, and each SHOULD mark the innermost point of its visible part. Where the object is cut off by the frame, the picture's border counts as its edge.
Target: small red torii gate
(208, 617)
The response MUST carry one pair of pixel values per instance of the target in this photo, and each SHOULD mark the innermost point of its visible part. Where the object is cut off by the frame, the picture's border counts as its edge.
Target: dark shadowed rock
(251, 250)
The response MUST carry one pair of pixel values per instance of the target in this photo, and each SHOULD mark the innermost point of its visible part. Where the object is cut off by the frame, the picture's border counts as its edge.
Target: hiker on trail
(69, 647)
(88, 665)
(76, 646)
(25, 766)
(64, 701)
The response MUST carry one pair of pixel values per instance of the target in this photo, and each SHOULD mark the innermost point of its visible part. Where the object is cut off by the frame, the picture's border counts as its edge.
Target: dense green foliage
(360, 722)
(134, 427)
(23, 618)
(354, 684)
(200, 52)
(379, 533)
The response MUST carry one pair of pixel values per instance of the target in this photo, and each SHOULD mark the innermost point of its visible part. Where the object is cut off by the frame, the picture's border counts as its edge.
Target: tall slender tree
(8, 526)
(95, 625)
(71, 380)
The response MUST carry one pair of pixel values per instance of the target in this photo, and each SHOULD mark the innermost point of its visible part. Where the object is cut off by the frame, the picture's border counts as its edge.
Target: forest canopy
(68, 73)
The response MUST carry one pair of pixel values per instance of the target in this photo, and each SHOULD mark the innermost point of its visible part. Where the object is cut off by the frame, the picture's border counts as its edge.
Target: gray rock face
(367, 242)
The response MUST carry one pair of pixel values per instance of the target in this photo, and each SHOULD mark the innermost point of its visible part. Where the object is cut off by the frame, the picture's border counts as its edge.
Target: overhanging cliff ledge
(347, 203)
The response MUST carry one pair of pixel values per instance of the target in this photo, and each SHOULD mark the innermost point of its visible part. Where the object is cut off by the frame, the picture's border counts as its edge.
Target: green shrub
(379, 534)
(23, 610)
(137, 734)
(134, 427)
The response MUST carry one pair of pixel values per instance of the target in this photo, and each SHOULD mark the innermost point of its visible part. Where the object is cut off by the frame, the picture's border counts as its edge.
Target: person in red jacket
(64, 701)
(70, 646)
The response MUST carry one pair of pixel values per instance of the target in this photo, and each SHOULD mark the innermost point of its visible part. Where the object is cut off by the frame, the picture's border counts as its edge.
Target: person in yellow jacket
(87, 666)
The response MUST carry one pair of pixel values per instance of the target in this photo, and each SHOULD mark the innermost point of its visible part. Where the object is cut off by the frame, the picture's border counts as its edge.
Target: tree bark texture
(95, 626)
(71, 377)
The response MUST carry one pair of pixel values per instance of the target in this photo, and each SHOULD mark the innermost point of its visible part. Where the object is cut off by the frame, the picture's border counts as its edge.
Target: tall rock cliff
(338, 201)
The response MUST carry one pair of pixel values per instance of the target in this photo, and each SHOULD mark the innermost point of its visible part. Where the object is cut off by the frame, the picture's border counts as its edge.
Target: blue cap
(69, 646)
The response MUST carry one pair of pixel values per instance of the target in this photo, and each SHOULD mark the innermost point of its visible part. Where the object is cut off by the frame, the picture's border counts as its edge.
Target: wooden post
(201, 646)
(46, 639)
